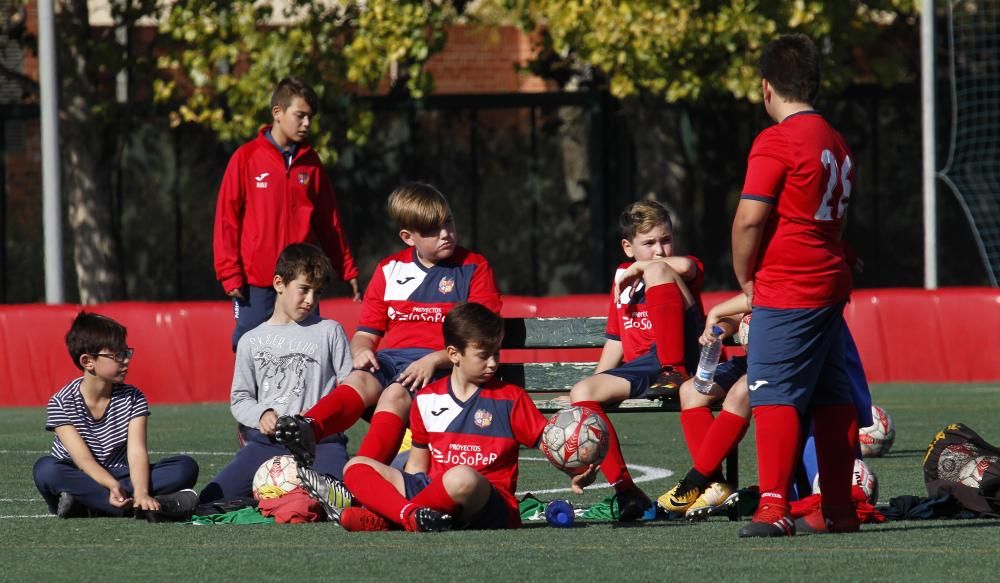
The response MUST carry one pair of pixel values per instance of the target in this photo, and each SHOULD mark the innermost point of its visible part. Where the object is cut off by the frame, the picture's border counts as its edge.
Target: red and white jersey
(485, 432)
(406, 302)
(628, 318)
(804, 168)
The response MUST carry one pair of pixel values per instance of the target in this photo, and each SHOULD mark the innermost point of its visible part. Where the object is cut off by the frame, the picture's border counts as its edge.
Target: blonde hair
(418, 207)
(642, 216)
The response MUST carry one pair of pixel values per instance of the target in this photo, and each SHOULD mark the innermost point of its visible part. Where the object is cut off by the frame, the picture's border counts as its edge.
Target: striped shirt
(106, 437)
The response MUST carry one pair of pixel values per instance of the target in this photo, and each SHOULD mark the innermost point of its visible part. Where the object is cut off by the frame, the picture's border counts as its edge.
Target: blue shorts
(492, 516)
(730, 371)
(797, 358)
(393, 361)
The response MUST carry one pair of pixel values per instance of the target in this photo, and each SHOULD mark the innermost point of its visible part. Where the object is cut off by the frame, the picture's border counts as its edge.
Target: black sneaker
(425, 519)
(176, 507)
(328, 491)
(296, 434)
(667, 384)
(769, 521)
(68, 507)
(632, 504)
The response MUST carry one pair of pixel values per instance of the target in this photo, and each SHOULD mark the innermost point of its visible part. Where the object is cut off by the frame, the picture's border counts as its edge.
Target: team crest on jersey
(483, 418)
(446, 285)
(303, 178)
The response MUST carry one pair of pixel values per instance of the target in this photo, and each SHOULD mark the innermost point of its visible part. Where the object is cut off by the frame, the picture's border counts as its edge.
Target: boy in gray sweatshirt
(283, 367)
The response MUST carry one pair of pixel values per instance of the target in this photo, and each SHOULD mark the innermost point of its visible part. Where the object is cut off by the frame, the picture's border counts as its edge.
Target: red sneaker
(357, 519)
(816, 522)
(769, 520)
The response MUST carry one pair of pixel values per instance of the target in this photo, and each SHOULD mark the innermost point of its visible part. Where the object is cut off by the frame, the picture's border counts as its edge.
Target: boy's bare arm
(363, 350)
(84, 459)
(138, 465)
(611, 356)
(419, 461)
(748, 230)
(725, 315)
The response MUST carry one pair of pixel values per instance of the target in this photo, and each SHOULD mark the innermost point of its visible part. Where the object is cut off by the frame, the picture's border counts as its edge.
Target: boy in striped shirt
(99, 465)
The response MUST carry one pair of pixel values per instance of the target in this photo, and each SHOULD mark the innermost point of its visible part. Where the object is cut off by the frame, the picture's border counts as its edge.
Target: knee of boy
(45, 470)
(583, 391)
(659, 272)
(461, 481)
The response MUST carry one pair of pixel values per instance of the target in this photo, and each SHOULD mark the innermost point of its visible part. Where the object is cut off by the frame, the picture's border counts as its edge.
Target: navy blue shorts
(393, 361)
(797, 358)
(492, 516)
(730, 371)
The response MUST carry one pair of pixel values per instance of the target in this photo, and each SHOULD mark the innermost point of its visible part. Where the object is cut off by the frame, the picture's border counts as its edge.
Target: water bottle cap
(716, 330)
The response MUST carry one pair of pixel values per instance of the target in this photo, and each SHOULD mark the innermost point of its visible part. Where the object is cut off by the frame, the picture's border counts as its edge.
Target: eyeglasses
(120, 357)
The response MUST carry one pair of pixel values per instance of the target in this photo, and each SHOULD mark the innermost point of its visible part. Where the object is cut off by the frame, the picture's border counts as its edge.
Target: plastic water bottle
(708, 362)
(559, 513)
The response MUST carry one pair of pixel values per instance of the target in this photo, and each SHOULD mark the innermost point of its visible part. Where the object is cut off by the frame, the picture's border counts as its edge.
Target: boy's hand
(235, 293)
(146, 502)
(118, 497)
(627, 277)
(418, 374)
(268, 421)
(355, 291)
(365, 360)
(581, 481)
(711, 320)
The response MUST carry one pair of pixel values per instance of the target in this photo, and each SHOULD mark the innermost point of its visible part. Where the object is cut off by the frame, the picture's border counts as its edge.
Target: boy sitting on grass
(99, 465)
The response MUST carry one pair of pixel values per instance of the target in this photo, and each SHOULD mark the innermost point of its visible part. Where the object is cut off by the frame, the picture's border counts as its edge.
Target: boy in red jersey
(789, 261)
(467, 432)
(275, 192)
(654, 319)
(408, 297)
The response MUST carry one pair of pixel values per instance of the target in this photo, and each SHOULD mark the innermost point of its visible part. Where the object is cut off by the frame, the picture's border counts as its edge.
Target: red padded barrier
(183, 352)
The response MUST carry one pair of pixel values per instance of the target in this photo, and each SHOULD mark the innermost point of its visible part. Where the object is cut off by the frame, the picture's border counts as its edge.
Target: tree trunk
(86, 175)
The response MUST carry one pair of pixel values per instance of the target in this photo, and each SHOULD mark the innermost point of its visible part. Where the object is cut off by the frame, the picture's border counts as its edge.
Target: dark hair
(304, 259)
(291, 87)
(473, 324)
(642, 216)
(418, 207)
(92, 333)
(790, 64)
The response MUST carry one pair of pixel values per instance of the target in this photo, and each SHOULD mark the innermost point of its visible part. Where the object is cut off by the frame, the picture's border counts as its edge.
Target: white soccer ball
(276, 474)
(743, 332)
(971, 474)
(877, 438)
(574, 438)
(863, 477)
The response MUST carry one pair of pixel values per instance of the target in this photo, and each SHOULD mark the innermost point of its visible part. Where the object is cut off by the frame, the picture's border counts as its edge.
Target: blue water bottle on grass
(559, 513)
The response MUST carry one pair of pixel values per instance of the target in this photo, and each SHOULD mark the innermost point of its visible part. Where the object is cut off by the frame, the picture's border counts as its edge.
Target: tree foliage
(230, 53)
(684, 49)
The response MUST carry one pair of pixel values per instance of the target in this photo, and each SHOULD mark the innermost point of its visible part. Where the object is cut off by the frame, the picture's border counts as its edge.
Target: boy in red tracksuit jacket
(275, 192)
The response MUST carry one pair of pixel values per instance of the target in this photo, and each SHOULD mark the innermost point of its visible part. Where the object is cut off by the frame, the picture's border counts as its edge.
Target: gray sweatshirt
(288, 368)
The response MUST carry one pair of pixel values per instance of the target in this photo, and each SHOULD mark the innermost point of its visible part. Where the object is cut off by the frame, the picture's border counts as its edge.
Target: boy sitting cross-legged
(398, 348)
(467, 431)
(99, 464)
(286, 365)
(654, 318)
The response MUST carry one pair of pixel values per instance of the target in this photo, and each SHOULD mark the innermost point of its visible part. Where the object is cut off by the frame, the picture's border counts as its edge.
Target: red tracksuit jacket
(263, 207)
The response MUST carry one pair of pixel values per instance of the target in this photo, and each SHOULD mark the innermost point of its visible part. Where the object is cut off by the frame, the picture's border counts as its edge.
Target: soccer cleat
(667, 384)
(425, 519)
(176, 507)
(716, 499)
(358, 519)
(769, 521)
(632, 504)
(331, 493)
(816, 523)
(296, 433)
(68, 507)
(679, 498)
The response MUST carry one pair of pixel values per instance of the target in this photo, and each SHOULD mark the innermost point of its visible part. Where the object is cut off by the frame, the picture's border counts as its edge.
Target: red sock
(696, 424)
(613, 467)
(666, 311)
(376, 493)
(778, 437)
(336, 411)
(836, 430)
(385, 433)
(726, 432)
(436, 497)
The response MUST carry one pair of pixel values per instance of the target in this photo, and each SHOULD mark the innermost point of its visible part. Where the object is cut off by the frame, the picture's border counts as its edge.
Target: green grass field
(36, 547)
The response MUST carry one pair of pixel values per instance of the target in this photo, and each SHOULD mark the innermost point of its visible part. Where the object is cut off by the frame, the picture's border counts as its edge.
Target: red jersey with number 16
(804, 168)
